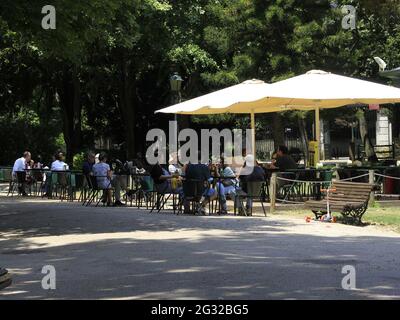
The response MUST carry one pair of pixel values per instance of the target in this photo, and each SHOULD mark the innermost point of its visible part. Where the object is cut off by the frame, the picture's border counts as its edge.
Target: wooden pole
(318, 133)
(272, 192)
(253, 133)
(371, 181)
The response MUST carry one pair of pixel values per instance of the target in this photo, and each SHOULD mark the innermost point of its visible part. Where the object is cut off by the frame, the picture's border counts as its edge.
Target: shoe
(201, 211)
(248, 212)
(241, 212)
(119, 204)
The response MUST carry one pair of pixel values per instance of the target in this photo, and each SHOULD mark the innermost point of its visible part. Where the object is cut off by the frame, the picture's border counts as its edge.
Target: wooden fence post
(272, 189)
(372, 181)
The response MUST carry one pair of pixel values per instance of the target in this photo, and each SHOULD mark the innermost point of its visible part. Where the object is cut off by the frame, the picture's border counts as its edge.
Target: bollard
(272, 189)
(371, 174)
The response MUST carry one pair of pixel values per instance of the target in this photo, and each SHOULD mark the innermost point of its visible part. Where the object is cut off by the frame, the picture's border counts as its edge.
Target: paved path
(125, 253)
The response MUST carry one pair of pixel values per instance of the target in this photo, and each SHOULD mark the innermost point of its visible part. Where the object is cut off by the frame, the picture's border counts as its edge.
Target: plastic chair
(19, 183)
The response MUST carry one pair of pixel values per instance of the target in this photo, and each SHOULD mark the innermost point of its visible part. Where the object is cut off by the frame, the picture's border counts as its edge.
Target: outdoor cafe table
(50, 178)
(135, 184)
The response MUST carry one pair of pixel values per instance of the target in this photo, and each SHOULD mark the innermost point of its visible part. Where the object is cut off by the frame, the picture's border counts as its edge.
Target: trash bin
(388, 185)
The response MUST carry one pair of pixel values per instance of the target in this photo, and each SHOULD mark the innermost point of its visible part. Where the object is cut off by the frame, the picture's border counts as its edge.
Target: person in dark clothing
(200, 175)
(283, 160)
(162, 180)
(257, 174)
(88, 164)
(197, 171)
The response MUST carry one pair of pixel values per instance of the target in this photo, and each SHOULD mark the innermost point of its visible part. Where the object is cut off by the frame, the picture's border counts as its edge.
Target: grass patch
(388, 217)
(384, 216)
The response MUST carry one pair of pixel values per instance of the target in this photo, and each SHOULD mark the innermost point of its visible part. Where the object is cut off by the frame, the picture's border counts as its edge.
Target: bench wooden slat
(348, 198)
(362, 197)
(355, 184)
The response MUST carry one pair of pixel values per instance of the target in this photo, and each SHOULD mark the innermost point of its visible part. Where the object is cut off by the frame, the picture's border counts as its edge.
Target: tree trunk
(126, 106)
(364, 134)
(277, 130)
(71, 112)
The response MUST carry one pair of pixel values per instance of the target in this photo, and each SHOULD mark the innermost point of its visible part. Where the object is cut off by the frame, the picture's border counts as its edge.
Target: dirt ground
(126, 253)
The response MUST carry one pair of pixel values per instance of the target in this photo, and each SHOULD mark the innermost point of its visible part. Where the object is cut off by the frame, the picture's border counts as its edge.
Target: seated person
(227, 186)
(59, 164)
(173, 164)
(256, 175)
(87, 165)
(103, 175)
(19, 171)
(201, 174)
(38, 164)
(162, 179)
(119, 180)
(140, 163)
(283, 160)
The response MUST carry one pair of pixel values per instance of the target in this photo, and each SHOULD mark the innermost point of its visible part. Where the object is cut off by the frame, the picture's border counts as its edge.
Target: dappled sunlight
(130, 254)
(191, 269)
(73, 239)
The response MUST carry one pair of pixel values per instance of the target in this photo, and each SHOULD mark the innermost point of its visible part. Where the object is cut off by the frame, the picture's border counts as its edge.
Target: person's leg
(222, 192)
(239, 193)
(47, 185)
(25, 188)
(104, 196)
(116, 183)
(123, 183)
(231, 193)
(208, 196)
(20, 188)
(17, 182)
(186, 206)
(109, 196)
(249, 205)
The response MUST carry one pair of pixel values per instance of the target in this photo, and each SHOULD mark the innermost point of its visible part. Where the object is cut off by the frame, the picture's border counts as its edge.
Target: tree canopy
(105, 69)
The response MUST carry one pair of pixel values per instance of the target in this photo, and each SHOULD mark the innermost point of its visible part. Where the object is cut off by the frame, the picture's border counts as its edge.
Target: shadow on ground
(124, 253)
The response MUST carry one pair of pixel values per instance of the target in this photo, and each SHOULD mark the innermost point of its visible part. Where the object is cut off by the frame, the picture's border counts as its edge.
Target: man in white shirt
(59, 164)
(20, 164)
(19, 169)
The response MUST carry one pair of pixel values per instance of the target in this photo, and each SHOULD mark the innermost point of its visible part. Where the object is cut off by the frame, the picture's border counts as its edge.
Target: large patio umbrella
(314, 90)
(318, 89)
(227, 100)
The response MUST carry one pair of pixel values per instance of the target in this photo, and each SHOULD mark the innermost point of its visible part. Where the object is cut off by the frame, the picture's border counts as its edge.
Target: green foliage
(24, 131)
(192, 58)
(78, 161)
(115, 57)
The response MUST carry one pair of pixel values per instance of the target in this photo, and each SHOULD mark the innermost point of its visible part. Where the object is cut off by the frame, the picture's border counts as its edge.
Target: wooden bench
(348, 198)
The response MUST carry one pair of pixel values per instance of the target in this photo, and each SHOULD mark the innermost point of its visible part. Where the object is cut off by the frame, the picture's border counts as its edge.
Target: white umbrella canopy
(221, 101)
(317, 90)
(313, 90)
(320, 89)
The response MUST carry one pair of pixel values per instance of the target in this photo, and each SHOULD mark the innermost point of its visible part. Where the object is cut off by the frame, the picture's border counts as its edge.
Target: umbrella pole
(253, 133)
(318, 133)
